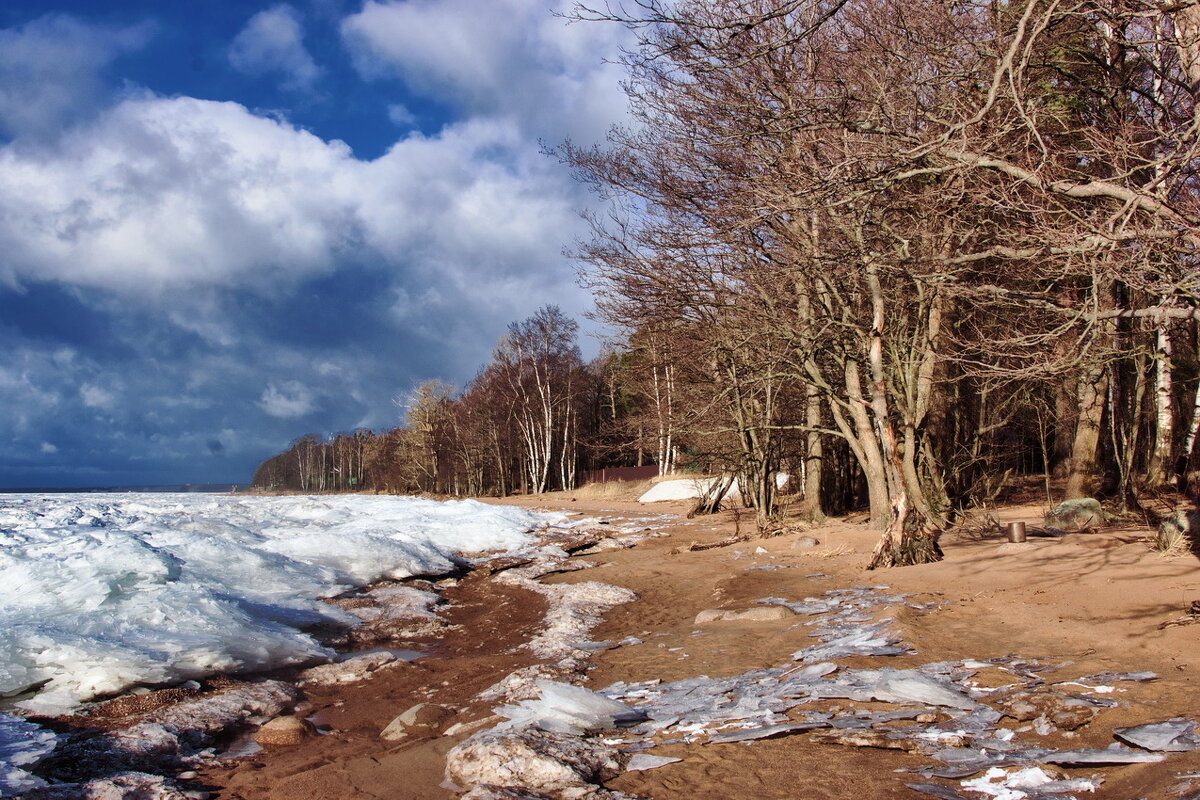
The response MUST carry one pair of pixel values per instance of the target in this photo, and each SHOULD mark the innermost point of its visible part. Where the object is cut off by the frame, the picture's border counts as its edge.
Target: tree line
(902, 252)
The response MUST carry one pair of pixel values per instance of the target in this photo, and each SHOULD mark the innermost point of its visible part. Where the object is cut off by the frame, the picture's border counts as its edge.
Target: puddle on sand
(241, 746)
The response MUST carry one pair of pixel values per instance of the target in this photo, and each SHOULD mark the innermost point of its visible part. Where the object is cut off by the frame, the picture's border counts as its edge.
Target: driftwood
(1191, 618)
(716, 544)
(710, 501)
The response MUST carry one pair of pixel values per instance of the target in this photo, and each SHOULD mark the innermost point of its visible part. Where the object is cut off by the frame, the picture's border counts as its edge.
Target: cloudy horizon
(231, 225)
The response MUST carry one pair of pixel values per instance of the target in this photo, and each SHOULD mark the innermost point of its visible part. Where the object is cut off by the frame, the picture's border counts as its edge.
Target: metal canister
(1016, 531)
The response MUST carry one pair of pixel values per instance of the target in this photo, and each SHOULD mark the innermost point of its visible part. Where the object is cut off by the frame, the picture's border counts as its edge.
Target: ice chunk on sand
(902, 686)
(1028, 782)
(936, 790)
(563, 708)
(644, 761)
(1113, 754)
(1172, 735)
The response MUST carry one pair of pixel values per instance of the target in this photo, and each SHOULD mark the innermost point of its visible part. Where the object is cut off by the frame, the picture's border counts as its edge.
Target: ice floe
(102, 592)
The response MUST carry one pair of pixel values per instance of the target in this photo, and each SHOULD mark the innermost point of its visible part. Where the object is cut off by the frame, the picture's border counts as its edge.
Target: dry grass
(1171, 541)
(840, 550)
(613, 490)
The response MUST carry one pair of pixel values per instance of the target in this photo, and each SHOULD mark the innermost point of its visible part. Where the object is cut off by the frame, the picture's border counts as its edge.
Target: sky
(227, 224)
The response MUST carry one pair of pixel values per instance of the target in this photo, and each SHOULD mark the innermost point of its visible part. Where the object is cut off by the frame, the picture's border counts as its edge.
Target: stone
(1067, 713)
(763, 614)
(533, 760)
(1016, 547)
(285, 732)
(486, 792)
(421, 718)
(759, 614)
(1076, 515)
(882, 739)
(806, 543)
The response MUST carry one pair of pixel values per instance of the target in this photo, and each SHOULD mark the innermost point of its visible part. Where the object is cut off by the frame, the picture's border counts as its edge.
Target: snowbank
(683, 489)
(688, 488)
(102, 592)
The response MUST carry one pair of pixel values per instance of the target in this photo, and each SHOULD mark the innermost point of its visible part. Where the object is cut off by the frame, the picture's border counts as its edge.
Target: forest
(905, 253)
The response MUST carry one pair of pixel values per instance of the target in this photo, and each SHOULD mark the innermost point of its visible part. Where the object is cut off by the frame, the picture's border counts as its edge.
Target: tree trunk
(814, 456)
(907, 538)
(1161, 468)
(1092, 391)
(1187, 454)
(867, 447)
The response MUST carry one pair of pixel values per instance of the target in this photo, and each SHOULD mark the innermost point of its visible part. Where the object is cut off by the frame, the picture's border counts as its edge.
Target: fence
(619, 474)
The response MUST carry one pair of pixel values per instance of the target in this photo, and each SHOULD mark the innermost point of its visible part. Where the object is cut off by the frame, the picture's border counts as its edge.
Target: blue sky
(225, 224)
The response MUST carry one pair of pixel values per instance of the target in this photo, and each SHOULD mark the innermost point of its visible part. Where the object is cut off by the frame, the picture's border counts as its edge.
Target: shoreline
(1085, 604)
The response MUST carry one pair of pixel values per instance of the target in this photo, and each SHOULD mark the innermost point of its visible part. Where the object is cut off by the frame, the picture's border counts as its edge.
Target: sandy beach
(1080, 605)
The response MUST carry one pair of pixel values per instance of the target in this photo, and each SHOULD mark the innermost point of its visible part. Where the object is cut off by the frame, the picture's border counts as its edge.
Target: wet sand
(1093, 602)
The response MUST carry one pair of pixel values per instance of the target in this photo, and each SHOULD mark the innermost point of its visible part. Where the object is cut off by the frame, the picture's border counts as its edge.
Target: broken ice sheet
(1113, 754)
(644, 761)
(809, 605)
(1098, 688)
(765, 732)
(1172, 735)
(936, 790)
(853, 640)
(563, 708)
(1026, 782)
(900, 686)
(1104, 677)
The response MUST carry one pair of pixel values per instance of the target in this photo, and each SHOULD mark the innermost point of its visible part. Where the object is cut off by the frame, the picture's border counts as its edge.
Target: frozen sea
(99, 593)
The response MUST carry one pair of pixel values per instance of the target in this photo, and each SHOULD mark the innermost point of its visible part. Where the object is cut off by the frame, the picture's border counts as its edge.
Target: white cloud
(50, 71)
(401, 116)
(273, 43)
(165, 193)
(509, 58)
(48, 448)
(288, 401)
(94, 396)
